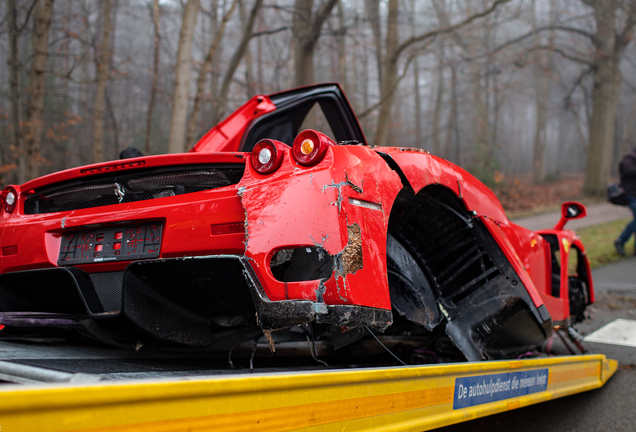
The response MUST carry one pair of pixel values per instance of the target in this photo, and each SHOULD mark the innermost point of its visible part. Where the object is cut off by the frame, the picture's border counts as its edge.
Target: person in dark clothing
(130, 152)
(627, 171)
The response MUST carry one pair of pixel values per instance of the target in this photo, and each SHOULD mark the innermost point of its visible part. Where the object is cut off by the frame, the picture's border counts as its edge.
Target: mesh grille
(108, 286)
(130, 188)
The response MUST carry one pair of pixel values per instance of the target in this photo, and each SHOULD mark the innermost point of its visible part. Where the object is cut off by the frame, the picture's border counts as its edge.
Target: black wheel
(411, 293)
(578, 298)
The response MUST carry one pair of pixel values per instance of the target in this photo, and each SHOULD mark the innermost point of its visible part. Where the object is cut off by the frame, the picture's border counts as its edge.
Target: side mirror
(570, 210)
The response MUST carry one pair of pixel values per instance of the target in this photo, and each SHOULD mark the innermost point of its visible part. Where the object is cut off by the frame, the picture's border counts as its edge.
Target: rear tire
(577, 293)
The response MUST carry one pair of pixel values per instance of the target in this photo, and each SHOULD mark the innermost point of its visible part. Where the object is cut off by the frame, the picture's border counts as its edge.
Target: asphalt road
(610, 408)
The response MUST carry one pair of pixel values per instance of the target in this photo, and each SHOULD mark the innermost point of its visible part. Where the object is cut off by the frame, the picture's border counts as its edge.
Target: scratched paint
(299, 206)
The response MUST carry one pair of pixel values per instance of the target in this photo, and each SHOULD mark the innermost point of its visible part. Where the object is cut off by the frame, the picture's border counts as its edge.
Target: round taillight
(267, 155)
(9, 198)
(310, 147)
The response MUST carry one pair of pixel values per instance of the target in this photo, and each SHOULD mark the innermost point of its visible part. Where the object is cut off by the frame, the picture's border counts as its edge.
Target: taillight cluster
(267, 155)
(9, 199)
(309, 149)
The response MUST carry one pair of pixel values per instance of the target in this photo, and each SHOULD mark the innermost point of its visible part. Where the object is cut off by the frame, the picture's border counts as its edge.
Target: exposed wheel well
(440, 234)
(462, 275)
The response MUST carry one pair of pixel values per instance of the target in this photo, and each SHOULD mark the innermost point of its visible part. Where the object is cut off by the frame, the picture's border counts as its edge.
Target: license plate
(111, 244)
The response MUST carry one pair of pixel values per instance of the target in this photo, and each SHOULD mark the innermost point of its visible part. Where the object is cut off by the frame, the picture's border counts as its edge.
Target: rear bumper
(187, 301)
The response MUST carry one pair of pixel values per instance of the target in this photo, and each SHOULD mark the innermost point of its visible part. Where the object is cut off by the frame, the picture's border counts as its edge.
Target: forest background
(504, 88)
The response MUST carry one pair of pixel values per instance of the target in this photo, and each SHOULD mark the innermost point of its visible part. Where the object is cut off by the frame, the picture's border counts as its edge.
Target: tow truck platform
(133, 392)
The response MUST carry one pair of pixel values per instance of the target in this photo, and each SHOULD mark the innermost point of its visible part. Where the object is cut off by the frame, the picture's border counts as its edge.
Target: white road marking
(618, 332)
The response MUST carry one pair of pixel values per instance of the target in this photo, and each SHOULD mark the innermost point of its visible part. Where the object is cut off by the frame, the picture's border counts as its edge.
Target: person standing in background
(627, 172)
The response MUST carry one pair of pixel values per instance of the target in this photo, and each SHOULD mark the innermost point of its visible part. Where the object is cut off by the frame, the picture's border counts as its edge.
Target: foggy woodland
(505, 88)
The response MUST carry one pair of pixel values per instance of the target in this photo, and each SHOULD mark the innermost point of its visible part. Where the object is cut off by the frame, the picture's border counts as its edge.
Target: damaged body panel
(263, 229)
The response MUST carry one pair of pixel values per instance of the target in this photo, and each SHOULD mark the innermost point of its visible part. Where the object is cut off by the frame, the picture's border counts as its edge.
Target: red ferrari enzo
(267, 229)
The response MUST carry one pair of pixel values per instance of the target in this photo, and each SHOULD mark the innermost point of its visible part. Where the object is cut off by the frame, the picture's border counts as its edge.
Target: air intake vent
(116, 189)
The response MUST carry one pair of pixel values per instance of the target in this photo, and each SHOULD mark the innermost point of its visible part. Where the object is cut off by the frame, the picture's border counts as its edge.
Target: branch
(568, 97)
(26, 19)
(392, 89)
(626, 35)
(540, 29)
(322, 15)
(562, 54)
(67, 76)
(270, 32)
(410, 41)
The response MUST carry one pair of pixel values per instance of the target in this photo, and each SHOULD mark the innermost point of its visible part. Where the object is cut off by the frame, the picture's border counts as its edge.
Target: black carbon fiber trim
(108, 286)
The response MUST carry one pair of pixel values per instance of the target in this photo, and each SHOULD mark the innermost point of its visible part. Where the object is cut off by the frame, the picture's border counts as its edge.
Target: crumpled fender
(342, 204)
(422, 169)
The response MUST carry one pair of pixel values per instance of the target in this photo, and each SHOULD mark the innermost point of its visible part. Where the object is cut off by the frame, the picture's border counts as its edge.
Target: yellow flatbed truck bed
(405, 398)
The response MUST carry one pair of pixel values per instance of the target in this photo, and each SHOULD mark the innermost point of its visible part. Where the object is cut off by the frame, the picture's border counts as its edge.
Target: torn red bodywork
(382, 238)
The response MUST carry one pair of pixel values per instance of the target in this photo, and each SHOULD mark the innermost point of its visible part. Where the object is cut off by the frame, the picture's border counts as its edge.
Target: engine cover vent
(137, 186)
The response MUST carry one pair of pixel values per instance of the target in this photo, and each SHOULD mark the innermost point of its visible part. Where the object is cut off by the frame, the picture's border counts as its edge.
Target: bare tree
(247, 57)
(395, 50)
(417, 120)
(307, 26)
(248, 31)
(609, 43)
(542, 81)
(35, 89)
(342, 48)
(14, 85)
(155, 73)
(614, 24)
(205, 71)
(176, 143)
(436, 128)
(102, 77)
(482, 103)
(373, 14)
(13, 61)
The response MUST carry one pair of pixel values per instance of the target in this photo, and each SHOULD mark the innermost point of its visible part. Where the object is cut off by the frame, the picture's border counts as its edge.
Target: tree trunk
(479, 121)
(342, 49)
(236, 60)
(607, 78)
(259, 58)
(604, 100)
(217, 66)
(542, 87)
(249, 73)
(306, 29)
(626, 144)
(542, 81)
(115, 126)
(453, 152)
(14, 84)
(203, 74)
(303, 49)
(436, 130)
(155, 74)
(373, 13)
(176, 141)
(102, 77)
(390, 76)
(418, 106)
(418, 143)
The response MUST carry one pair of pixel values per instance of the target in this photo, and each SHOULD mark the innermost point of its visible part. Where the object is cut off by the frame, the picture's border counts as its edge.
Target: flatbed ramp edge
(409, 398)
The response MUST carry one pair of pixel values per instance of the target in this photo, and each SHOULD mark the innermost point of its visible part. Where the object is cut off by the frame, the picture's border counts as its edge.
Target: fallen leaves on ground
(519, 195)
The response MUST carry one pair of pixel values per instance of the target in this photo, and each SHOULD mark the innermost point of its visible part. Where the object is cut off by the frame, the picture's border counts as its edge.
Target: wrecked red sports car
(262, 228)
